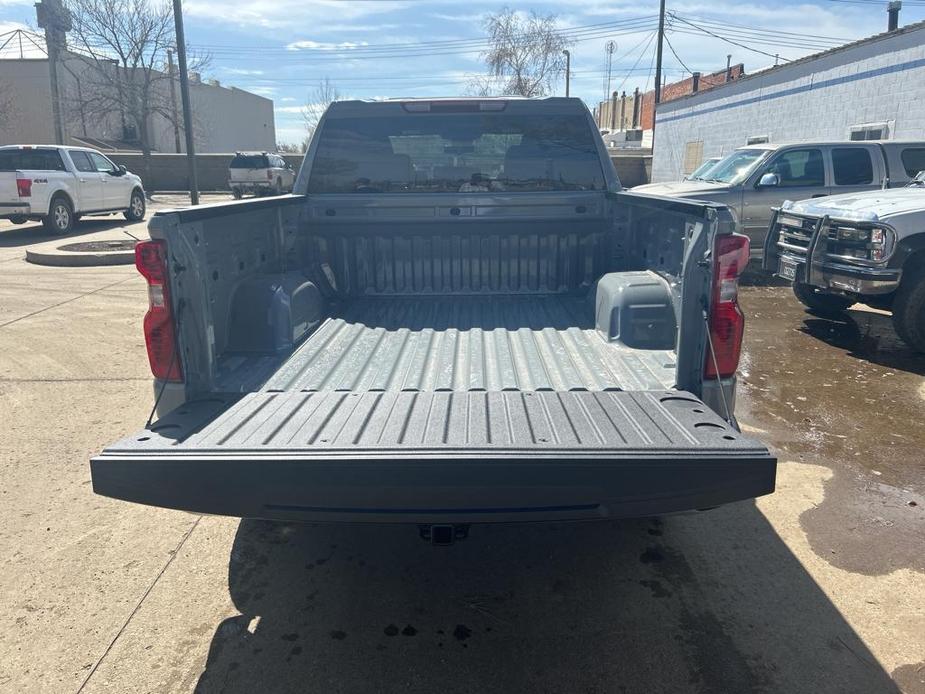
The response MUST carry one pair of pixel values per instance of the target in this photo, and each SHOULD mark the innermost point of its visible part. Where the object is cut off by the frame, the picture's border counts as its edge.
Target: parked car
(701, 173)
(59, 185)
(867, 247)
(260, 173)
(755, 179)
(459, 318)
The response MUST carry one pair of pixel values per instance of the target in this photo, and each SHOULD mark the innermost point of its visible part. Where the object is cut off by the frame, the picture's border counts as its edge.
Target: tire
(19, 219)
(60, 219)
(236, 192)
(136, 207)
(818, 301)
(909, 312)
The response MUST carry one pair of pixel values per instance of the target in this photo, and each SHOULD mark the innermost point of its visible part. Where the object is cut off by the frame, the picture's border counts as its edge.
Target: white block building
(870, 89)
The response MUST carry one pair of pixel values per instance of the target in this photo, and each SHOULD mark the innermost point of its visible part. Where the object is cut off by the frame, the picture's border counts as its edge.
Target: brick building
(635, 111)
(869, 89)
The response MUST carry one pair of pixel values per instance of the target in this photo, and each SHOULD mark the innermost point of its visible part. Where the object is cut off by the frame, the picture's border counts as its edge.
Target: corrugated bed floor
(491, 343)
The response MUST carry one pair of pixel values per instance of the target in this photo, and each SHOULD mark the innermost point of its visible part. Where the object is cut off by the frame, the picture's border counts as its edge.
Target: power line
(480, 40)
(727, 40)
(675, 54)
(760, 30)
(332, 56)
(454, 44)
(641, 54)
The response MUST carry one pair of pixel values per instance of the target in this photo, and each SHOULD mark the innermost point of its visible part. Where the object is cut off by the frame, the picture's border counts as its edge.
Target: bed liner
(458, 343)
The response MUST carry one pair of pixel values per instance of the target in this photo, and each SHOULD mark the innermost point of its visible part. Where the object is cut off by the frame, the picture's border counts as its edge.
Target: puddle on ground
(833, 390)
(847, 393)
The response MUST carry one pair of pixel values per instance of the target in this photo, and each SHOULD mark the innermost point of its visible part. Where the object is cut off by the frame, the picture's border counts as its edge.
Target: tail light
(24, 187)
(726, 321)
(159, 323)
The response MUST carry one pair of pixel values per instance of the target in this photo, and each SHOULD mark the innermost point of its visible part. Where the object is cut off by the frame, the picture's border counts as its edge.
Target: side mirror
(769, 180)
(120, 171)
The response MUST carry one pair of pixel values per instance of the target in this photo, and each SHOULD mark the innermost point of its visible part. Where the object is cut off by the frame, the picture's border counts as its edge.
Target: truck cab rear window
(852, 166)
(31, 160)
(456, 153)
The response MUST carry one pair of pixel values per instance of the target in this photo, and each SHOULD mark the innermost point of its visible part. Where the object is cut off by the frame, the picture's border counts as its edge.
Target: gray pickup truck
(458, 318)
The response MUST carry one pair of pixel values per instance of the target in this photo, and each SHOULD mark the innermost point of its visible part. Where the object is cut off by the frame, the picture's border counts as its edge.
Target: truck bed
(490, 408)
(461, 344)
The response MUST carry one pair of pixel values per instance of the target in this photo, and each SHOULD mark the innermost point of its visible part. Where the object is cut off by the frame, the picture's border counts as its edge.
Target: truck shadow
(33, 232)
(865, 335)
(708, 602)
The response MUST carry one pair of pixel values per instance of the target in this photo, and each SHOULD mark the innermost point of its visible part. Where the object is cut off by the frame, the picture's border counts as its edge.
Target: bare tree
(288, 148)
(319, 99)
(524, 50)
(123, 45)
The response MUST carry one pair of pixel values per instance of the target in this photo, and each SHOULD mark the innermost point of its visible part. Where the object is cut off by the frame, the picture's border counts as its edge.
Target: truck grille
(841, 241)
(795, 234)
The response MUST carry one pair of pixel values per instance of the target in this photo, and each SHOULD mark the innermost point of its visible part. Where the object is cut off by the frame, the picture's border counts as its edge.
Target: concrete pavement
(819, 587)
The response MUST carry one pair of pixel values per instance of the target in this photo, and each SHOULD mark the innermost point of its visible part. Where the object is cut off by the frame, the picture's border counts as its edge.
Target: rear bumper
(434, 490)
(250, 185)
(14, 209)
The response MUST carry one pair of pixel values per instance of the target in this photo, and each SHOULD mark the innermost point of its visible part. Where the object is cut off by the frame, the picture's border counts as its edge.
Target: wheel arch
(910, 255)
(62, 193)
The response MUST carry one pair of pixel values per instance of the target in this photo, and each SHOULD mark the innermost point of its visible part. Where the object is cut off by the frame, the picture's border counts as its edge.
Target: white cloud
(241, 71)
(308, 44)
(285, 14)
(474, 18)
(262, 91)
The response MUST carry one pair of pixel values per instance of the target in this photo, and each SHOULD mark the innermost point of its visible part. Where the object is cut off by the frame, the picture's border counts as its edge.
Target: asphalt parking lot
(819, 587)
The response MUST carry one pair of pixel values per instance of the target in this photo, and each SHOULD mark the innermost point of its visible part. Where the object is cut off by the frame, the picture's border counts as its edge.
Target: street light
(568, 69)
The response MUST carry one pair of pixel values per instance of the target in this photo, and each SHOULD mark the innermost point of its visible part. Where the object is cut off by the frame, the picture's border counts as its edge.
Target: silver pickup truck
(458, 318)
(754, 180)
(868, 247)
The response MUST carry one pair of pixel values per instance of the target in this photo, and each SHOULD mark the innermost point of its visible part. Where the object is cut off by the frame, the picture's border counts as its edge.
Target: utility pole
(184, 97)
(609, 49)
(568, 69)
(658, 66)
(56, 21)
(173, 101)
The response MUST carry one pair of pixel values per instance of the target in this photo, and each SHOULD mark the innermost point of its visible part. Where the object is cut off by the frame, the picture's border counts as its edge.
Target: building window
(869, 131)
(799, 167)
(913, 160)
(693, 156)
(852, 166)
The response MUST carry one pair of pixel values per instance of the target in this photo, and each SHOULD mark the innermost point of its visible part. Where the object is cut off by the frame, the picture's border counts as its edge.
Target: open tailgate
(428, 457)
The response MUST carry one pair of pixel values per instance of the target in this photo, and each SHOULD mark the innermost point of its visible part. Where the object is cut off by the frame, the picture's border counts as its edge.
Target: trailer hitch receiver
(443, 535)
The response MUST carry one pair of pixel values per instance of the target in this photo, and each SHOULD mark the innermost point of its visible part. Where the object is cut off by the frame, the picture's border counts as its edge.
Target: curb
(57, 258)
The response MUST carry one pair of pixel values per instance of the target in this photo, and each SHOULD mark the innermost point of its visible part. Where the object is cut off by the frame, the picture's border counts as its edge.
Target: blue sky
(282, 48)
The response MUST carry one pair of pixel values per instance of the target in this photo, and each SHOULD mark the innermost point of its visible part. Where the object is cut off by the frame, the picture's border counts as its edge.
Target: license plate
(787, 269)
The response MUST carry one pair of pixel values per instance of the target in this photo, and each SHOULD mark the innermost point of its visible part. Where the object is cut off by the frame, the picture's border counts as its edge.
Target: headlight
(873, 244)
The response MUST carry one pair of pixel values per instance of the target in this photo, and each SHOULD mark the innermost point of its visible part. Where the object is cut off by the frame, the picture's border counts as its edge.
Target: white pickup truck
(58, 185)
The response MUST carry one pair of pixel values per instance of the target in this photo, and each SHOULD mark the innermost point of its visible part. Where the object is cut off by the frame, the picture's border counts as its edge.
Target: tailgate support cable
(722, 391)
